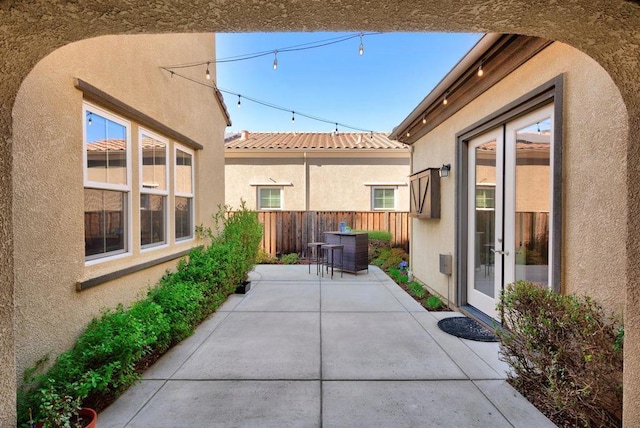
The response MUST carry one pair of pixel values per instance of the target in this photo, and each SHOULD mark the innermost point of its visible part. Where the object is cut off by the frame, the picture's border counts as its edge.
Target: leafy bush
(417, 289)
(390, 257)
(107, 357)
(565, 354)
(433, 303)
(265, 258)
(290, 259)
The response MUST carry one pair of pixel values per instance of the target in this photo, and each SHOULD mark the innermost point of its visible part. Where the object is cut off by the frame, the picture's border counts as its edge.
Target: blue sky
(375, 91)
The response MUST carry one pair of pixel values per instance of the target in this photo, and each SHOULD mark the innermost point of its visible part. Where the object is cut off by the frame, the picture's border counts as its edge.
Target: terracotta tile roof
(111, 145)
(311, 141)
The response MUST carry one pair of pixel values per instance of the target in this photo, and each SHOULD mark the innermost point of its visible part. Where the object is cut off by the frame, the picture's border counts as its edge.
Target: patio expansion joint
(493, 403)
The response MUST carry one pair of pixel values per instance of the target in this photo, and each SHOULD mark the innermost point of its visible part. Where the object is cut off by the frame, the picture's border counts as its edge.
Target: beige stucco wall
(335, 182)
(48, 211)
(594, 214)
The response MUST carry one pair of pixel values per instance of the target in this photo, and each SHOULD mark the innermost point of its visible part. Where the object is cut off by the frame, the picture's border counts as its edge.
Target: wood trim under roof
(499, 55)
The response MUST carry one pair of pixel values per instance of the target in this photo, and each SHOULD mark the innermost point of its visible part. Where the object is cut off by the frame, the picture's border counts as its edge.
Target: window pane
(152, 219)
(183, 172)
(106, 148)
(104, 221)
(533, 202)
(383, 199)
(485, 198)
(270, 199)
(154, 163)
(184, 207)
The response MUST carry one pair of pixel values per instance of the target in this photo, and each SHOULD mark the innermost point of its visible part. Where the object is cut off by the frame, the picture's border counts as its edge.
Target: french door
(510, 197)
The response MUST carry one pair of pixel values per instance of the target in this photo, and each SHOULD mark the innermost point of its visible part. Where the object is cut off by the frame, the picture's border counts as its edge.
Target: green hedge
(104, 360)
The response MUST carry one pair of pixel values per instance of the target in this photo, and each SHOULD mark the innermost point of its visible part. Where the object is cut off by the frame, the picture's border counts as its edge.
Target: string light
(361, 49)
(208, 75)
(212, 85)
(424, 120)
(90, 121)
(293, 117)
(480, 71)
(275, 60)
(444, 101)
(337, 133)
(408, 134)
(371, 135)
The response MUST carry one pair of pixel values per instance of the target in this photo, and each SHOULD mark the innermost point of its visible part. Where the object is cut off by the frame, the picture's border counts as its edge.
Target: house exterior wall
(594, 141)
(335, 182)
(48, 190)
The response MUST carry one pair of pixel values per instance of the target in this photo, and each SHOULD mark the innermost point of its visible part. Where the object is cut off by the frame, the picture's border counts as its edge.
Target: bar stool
(329, 250)
(311, 246)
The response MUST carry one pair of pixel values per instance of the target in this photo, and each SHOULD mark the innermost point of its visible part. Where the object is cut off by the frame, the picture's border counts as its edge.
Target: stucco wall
(335, 183)
(594, 132)
(48, 177)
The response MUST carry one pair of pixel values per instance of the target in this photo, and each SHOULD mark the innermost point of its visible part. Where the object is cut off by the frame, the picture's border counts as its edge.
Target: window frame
(395, 198)
(150, 191)
(278, 188)
(126, 189)
(177, 194)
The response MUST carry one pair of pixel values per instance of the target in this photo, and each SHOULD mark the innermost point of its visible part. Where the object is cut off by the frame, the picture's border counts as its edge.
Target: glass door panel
(485, 226)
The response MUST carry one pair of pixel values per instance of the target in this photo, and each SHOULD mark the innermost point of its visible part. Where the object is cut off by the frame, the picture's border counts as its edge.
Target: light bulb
(208, 74)
(480, 72)
(90, 121)
(444, 101)
(361, 49)
(337, 129)
(424, 120)
(275, 60)
(293, 117)
(239, 103)
(408, 134)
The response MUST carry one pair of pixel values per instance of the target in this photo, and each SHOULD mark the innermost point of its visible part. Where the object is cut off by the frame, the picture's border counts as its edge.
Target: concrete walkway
(305, 351)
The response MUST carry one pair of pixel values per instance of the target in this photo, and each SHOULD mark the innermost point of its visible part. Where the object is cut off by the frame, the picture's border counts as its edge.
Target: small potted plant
(59, 409)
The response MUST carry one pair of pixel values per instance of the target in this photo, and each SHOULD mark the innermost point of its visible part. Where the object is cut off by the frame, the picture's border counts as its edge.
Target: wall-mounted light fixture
(444, 171)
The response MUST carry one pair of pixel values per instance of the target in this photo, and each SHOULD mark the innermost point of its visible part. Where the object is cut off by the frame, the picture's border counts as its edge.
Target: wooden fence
(289, 231)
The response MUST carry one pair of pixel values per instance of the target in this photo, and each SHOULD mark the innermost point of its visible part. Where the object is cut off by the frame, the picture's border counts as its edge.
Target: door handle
(504, 253)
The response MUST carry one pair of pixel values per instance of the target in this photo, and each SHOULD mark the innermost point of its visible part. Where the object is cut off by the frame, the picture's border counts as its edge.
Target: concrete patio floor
(304, 351)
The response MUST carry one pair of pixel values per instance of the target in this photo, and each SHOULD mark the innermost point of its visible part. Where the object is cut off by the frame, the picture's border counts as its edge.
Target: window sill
(90, 283)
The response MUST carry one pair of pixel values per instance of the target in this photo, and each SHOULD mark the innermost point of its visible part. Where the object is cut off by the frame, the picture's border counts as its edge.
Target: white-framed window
(270, 198)
(107, 183)
(383, 198)
(154, 189)
(184, 193)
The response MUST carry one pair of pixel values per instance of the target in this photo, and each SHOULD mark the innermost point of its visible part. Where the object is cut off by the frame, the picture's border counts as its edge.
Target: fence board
(290, 231)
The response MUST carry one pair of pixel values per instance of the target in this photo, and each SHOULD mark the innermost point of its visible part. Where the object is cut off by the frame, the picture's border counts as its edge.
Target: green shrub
(433, 303)
(565, 355)
(290, 259)
(390, 257)
(105, 358)
(377, 235)
(416, 289)
(265, 258)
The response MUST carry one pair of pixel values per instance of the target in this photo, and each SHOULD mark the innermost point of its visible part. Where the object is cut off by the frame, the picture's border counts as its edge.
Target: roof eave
(474, 54)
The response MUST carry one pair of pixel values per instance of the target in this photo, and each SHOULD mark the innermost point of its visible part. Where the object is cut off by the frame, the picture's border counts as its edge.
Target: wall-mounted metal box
(446, 262)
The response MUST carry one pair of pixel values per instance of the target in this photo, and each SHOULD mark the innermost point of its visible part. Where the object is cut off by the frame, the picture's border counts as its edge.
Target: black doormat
(466, 328)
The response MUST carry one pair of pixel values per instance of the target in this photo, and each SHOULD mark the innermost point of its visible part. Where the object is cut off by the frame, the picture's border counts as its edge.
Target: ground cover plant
(565, 353)
(119, 344)
(395, 262)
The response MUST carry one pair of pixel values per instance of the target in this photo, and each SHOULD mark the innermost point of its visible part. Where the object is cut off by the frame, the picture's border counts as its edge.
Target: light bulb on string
(371, 135)
(480, 71)
(275, 60)
(408, 134)
(89, 120)
(337, 133)
(424, 120)
(444, 101)
(208, 74)
(293, 117)
(361, 49)
(239, 103)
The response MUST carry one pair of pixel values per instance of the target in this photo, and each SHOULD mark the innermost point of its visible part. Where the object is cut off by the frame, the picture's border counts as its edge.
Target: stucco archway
(605, 30)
